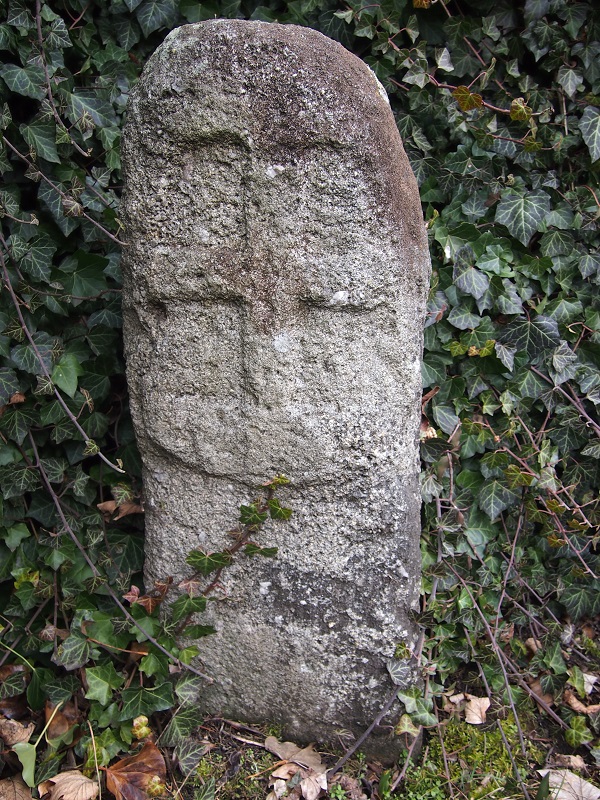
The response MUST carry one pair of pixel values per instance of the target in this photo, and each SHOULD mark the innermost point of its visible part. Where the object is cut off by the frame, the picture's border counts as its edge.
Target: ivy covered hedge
(498, 104)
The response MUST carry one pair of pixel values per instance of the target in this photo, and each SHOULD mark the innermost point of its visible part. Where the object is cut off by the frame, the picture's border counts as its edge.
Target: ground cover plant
(499, 108)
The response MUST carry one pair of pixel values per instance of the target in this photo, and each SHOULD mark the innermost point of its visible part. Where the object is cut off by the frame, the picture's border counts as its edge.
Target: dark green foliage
(499, 108)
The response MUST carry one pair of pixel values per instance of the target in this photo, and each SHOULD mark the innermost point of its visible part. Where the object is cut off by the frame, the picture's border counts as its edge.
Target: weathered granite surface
(275, 282)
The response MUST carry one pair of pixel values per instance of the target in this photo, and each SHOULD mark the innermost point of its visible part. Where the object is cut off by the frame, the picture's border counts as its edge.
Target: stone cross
(275, 282)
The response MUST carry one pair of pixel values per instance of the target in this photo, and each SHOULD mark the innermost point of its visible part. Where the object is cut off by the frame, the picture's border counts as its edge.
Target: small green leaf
(66, 372)
(277, 511)
(41, 138)
(495, 497)
(142, 700)
(570, 79)
(73, 653)
(26, 754)
(590, 130)
(532, 336)
(102, 681)
(9, 384)
(253, 549)
(186, 605)
(198, 631)
(418, 708)
(466, 99)
(189, 753)
(206, 563)
(15, 535)
(523, 215)
(182, 724)
(155, 14)
(188, 688)
(519, 110)
(28, 81)
(250, 515)
(578, 732)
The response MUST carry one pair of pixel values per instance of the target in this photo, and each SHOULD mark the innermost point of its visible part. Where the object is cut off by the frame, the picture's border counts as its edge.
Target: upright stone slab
(275, 282)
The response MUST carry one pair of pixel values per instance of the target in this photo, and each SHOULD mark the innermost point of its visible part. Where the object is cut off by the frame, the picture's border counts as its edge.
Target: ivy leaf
(142, 700)
(277, 511)
(188, 688)
(198, 631)
(27, 81)
(400, 671)
(578, 733)
(532, 336)
(37, 262)
(41, 137)
(589, 126)
(182, 725)
(468, 278)
(102, 681)
(417, 707)
(38, 360)
(577, 600)
(52, 199)
(19, 480)
(189, 754)
(570, 80)
(16, 422)
(186, 605)
(9, 384)
(73, 653)
(84, 104)
(65, 374)
(54, 468)
(523, 215)
(155, 14)
(250, 515)
(252, 549)
(463, 318)
(205, 563)
(495, 497)
(466, 99)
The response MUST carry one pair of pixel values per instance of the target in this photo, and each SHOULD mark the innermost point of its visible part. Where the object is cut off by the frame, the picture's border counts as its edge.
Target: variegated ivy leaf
(590, 130)
(523, 214)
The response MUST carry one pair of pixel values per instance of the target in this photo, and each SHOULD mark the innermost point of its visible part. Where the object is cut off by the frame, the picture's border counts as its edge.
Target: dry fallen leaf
(533, 645)
(61, 721)
(129, 778)
(573, 762)
(288, 751)
(588, 682)
(568, 786)
(312, 784)
(14, 789)
(536, 688)
(475, 709)
(351, 786)
(300, 763)
(123, 509)
(70, 785)
(12, 731)
(573, 702)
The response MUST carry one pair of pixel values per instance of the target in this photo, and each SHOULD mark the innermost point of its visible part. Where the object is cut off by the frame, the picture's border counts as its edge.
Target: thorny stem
(38, 355)
(96, 573)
